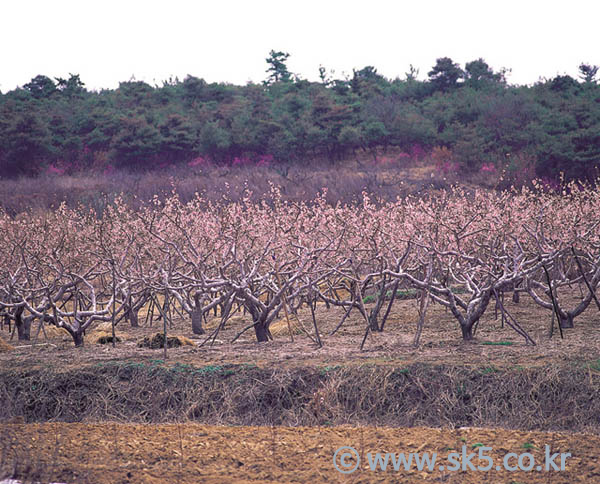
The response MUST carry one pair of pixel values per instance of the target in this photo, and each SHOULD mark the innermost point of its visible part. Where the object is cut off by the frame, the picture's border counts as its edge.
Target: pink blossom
(265, 160)
(55, 170)
(488, 168)
(449, 167)
(199, 161)
(417, 151)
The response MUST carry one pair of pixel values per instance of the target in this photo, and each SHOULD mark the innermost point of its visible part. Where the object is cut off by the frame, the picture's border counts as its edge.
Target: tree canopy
(471, 113)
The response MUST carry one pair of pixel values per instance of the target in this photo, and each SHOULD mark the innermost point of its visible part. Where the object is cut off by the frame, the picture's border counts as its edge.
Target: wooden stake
(554, 303)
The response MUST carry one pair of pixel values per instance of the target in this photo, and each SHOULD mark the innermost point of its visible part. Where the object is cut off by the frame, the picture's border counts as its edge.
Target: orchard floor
(441, 342)
(108, 453)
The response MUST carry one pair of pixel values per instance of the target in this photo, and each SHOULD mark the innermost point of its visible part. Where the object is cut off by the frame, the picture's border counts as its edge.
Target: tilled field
(190, 453)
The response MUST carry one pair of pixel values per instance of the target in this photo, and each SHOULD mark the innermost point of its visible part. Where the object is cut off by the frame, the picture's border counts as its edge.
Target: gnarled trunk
(6, 321)
(566, 321)
(476, 309)
(131, 314)
(373, 322)
(133, 318)
(77, 338)
(76, 335)
(197, 321)
(467, 332)
(261, 329)
(262, 332)
(23, 325)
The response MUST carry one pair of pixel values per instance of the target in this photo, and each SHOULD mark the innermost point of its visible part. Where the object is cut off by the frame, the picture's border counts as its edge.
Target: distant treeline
(468, 119)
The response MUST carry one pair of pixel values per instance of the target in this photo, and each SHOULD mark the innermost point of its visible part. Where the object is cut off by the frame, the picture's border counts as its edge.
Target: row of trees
(471, 112)
(72, 269)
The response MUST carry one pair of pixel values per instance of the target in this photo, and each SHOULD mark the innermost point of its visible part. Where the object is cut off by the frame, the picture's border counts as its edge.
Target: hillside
(469, 120)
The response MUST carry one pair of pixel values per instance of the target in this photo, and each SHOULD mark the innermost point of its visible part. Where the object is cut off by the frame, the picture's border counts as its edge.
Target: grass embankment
(528, 398)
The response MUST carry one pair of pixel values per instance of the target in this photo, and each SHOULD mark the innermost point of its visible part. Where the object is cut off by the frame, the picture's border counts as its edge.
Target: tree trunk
(262, 332)
(132, 315)
(78, 338)
(24, 330)
(423, 305)
(373, 323)
(133, 318)
(23, 325)
(7, 322)
(197, 321)
(467, 332)
(374, 314)
(566, 321)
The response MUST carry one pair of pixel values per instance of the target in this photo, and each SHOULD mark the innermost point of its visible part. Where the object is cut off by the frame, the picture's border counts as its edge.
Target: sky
(108, 41)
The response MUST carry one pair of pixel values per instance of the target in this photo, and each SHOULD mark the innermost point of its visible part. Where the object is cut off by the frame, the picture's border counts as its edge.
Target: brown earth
(189, 453)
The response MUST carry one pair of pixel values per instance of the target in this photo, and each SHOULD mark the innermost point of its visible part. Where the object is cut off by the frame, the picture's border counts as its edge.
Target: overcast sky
(227, 41)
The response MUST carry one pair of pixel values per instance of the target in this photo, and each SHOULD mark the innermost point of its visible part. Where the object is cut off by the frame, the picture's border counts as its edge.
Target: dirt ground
(122, 453)
(441, 341)
(191, 453)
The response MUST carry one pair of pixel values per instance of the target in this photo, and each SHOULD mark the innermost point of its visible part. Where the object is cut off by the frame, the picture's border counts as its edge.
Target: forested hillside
(466, 118)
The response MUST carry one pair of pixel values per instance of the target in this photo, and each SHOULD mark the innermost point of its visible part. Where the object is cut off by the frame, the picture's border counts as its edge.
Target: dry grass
(5, 347)
(345, 181)
(157, 340)
(551, 397)
(103, 337)
(105, 327)
(53, 333)
(281, 328)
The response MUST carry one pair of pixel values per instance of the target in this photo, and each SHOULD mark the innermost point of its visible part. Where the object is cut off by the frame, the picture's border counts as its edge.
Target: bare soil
(108, 453)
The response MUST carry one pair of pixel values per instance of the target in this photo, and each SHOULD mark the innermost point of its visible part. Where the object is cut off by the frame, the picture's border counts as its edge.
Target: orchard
(73, 268)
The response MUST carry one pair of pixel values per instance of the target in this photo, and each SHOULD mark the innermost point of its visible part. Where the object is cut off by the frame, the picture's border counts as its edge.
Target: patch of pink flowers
(265, 160)
(488, 168)
(417, 152)
(109, 170)
(386, 160)
(241, 161)
(199, 161)
(447, 167)
(55, 170)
